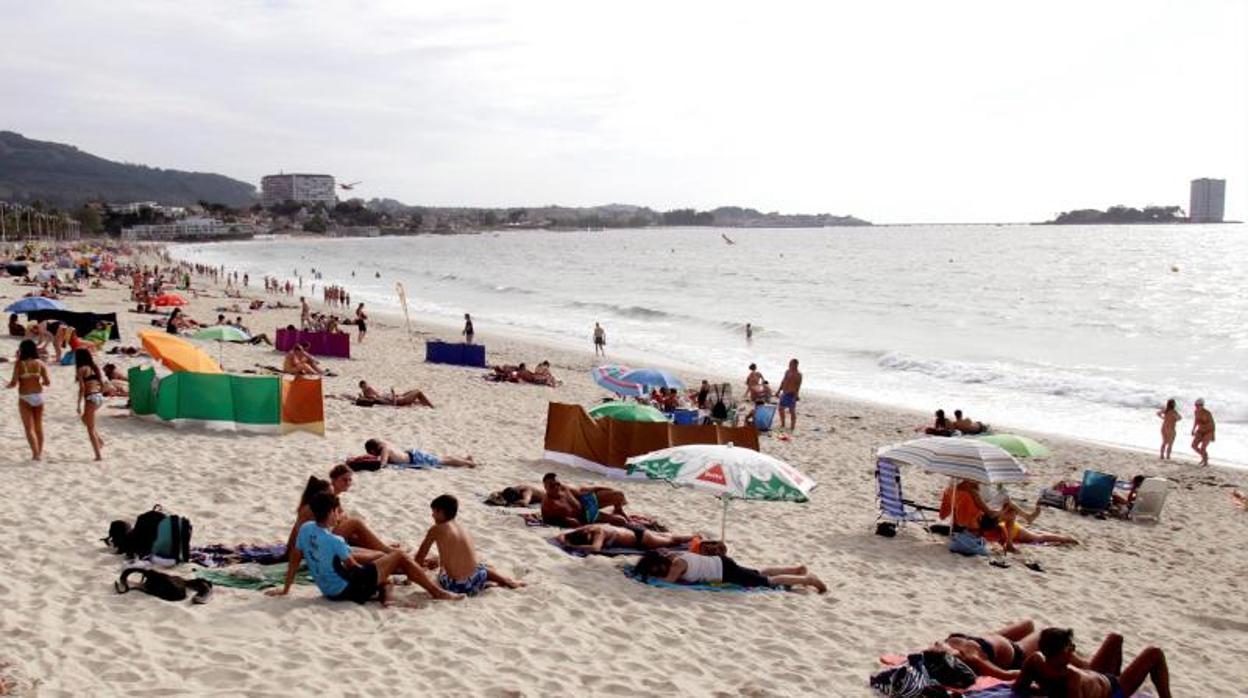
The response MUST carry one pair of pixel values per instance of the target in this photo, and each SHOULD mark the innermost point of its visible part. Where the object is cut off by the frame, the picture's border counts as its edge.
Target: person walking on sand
(90, 396)
(30, 377)
(1202, 431)
(305, 311)
(600, 340)
(790, 387)
(468, 331)
(361, 321)
(1169, 420)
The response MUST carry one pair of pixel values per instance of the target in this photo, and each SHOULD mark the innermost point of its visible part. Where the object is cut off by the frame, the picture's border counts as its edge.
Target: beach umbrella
(169, 299)
(177, 353)
(611, 378)
(1019, 446)
(33, 303)
(221, 333)
(962, 459)
(652, 378)
(628, 412)
(726, 471)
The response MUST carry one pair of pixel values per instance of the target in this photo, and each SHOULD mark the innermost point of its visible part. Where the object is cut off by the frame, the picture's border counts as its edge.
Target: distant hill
(66, 177)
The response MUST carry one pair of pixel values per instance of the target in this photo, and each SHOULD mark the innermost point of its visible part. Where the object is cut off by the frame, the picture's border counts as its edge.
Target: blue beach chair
(893, 506)
(1096, 492)
(764, 415)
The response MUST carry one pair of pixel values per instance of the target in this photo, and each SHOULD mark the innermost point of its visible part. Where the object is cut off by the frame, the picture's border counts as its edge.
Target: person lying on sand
(941, 427)
(115, 383)
(997, 525)
(997, 654)
(387, 453)
(515, 496)
(299, 362)
(966, 426)
(338, 572)
(595, 537)
(692, 568)
(1239, 499)
(1052, 670)
(460, 572)
(369, 394)
(571, 507)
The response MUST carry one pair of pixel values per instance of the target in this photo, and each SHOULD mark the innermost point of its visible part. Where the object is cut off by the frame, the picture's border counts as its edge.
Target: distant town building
(135, 207)
(188, 229)
(1208, 200)
(303, 188)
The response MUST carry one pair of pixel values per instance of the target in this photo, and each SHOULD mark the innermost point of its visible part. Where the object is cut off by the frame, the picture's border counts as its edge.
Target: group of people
(1203, 429)
(30, 377)
(958, 426)
(758, 392)
(311, 321)
(520, 373)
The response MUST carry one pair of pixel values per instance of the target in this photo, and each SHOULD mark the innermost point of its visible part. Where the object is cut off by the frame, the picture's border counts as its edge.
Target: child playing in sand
(387, 453)
(460, 573)
(337, 573)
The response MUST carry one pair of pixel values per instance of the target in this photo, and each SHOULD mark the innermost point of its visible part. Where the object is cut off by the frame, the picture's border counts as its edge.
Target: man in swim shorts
(572, 507)
(388, 454)
(1202, 431)
(460, 572)
(790, 386)
(1052, 671)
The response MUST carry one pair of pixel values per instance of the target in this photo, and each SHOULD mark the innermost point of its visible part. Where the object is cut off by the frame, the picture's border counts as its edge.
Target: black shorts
(362, 584)
(742, 576)
(363, 326)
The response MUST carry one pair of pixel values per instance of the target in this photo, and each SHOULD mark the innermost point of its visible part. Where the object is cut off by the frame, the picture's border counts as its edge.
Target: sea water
(1077, 330)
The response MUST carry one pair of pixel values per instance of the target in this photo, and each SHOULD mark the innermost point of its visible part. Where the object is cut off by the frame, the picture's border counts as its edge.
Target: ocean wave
(1062, 383)
(638, 312)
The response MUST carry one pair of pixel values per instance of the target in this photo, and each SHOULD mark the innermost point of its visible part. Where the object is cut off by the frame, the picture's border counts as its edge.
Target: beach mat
(251, 576)
(220, 555)
(630, 571)
(611, 552)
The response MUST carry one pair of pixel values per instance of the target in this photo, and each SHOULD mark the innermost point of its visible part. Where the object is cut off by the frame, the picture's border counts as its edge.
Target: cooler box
(684, 417)
(456, 354)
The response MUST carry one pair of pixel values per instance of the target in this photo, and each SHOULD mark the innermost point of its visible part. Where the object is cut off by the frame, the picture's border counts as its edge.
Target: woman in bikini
(90, 395)
(1169, 427)
(30, 376)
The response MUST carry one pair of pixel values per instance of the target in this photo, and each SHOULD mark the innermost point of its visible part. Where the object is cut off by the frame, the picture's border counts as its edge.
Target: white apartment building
(188, 228)
(1208, 200)
(303, 188)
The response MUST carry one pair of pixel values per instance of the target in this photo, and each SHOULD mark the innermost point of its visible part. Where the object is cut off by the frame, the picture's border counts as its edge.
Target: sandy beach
(580, 626)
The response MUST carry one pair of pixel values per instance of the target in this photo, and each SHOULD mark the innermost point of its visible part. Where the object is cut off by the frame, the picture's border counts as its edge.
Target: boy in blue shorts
(461, 573)
(389, 454)
(341, 577)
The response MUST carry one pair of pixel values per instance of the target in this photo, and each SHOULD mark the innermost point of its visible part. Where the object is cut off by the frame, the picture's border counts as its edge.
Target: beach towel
(631, 572)
(219, 555)
(984, 686)
(612, 551)
(252, 576)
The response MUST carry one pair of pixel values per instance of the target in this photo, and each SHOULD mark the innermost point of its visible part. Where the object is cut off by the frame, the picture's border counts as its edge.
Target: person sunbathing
(997, 525)
(15, 326)
(1052, 672)
(966, 426)
(941, 427)
(594, 538)
(572, 507)
(543, 376)
(115, 384)
(388, 454)
(341, 573)
(515, 496)
(369, 394)
(692, 568)
(1239, 499)
(460, 572)
(299, 363)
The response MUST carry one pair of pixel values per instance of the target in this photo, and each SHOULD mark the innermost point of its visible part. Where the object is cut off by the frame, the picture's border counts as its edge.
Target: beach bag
(154, 533)
(719, 410)
(947, 670)
(164, 586)
(909, 680)
(173, 539)
(967, 543)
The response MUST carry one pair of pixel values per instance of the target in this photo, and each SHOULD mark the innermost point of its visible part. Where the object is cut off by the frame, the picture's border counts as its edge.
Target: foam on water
(1080, 330)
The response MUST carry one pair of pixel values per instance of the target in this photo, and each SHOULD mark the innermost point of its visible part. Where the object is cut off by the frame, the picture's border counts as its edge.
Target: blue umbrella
(652, 378)
(33, 303)
(610, 377)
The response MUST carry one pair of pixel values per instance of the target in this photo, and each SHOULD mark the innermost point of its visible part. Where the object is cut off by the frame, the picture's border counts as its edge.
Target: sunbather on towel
(571, 507)
(692, 568)
(966, 426)
(411, 397)
(339, 572)
(1052, 672)
(997, 654)
(515, 496)
(457, 557)
(595, 537)
(299, 362)
(389, 454)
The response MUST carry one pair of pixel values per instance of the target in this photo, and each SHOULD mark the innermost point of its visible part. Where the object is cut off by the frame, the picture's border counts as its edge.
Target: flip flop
(1034, 566)
(1003, 564)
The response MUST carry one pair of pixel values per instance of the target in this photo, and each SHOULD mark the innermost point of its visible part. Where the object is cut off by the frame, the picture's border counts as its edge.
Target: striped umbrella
(611, 377)
(963, 459)
(652, 378)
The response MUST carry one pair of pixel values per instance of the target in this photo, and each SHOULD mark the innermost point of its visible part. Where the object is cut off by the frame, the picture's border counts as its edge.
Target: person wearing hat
(1202, 431)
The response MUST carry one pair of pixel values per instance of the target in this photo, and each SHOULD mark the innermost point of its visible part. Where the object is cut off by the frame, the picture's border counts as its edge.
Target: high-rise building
(1208, 200)
(303, 188)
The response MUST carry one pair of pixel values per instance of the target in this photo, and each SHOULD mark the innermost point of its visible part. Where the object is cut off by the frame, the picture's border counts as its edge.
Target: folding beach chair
(1096, 493)
(1150, 497)
(723, 392)
(893, 506)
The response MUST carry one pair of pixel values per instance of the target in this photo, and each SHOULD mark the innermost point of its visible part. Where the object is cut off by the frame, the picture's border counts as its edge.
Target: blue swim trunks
(788, 400)
(423, 459)
(589, 507)
(470, 586)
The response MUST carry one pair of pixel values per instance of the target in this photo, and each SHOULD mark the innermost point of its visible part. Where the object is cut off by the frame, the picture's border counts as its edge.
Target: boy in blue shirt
(338, 575)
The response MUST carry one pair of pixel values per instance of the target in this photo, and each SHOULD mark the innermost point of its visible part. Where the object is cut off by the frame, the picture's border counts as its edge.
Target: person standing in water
(790, 386)
(600, 340)
(1169, 420)
(1202, 431)
(749, 332)
(468, 332)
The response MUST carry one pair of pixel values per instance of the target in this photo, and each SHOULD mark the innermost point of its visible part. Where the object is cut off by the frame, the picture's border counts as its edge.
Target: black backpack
(154, 533)
(719, 410)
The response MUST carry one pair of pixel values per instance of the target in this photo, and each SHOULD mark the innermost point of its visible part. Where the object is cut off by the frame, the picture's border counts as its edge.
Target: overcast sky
(892, 111)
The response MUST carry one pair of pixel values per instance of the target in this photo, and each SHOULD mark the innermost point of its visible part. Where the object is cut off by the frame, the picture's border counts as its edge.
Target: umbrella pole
(723, 521)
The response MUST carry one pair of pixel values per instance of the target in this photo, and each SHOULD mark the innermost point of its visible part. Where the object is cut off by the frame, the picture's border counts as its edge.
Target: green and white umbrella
(726, 471)
(628, 412)
(1019, 446)
(221, 333)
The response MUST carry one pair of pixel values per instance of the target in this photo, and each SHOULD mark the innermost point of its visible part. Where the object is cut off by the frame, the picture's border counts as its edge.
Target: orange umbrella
(169, 299)
(178, 354)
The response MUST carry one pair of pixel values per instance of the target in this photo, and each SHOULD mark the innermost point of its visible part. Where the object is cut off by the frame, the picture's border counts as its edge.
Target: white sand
(580, 627)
